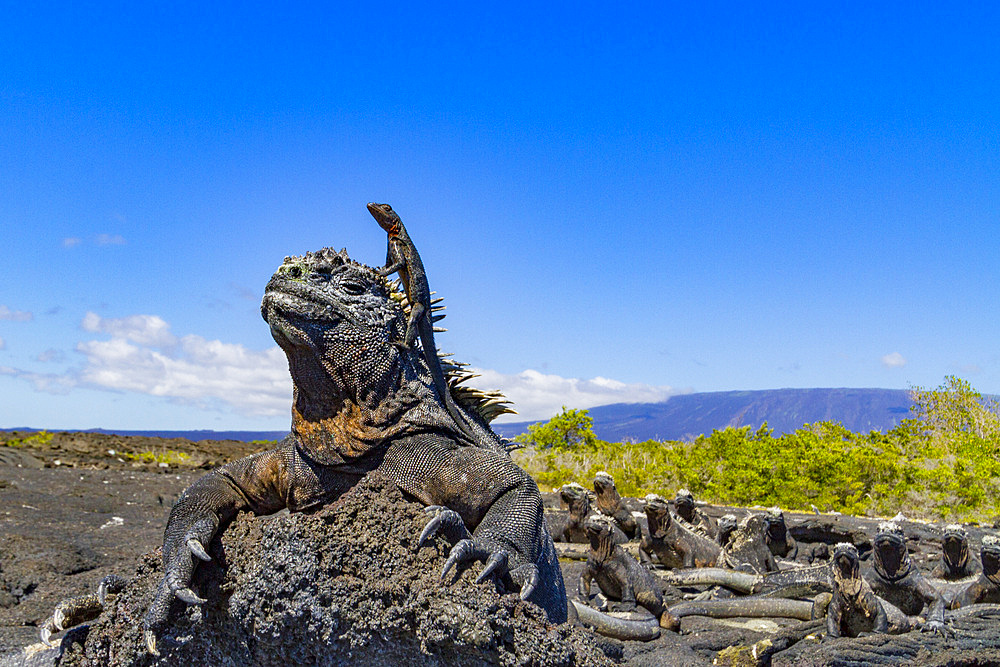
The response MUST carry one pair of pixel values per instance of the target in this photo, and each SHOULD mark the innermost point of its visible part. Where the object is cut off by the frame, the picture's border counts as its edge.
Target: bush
(944, 463)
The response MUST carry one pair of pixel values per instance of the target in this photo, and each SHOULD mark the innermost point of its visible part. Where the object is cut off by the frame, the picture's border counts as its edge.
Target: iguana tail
(612, 626)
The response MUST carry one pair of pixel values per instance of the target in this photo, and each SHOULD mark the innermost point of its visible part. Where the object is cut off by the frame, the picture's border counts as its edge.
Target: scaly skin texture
(362, 403)
(619, 576)
(674, 544)
(986, 587)
(854, 609)
(778, 539)
(402, 258)
(894, 579)
(685, 507)
(611, 504)
(957, 560)
(747, 549)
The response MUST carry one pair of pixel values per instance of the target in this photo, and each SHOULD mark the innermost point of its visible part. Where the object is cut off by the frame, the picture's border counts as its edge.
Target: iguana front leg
(258, 483)
(496, 500)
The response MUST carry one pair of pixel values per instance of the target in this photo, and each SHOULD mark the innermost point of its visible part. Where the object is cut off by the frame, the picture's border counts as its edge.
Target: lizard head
(386, 218)
(990, 553)
(727, 526)
(601, 533)
(776, 528)
(955, 546)
(575, 498)
(845, 569)
(889, 553)
(657, 511)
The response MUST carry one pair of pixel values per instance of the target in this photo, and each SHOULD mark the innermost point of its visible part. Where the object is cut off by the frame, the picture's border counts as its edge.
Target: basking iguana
(363, 404)
(894, 578)
(674, 543)
(685, 507)
(402, 258)
(854, 609)
(610, 503)
(986, 587)
(957, 560)
(618, 574)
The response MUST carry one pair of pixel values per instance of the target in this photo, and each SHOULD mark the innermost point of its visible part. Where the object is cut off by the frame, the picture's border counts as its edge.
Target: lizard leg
(468, 549)
(74, 611)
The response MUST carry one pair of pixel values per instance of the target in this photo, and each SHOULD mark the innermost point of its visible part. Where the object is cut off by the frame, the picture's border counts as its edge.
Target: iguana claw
(497, 561)
(937, 627)
(150, 638)
(197, 549)
(527, 576)
(189, 596)
(443, 519)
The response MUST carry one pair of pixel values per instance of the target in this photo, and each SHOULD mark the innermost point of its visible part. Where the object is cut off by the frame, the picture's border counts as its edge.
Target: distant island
(686, 416)
(681, 417)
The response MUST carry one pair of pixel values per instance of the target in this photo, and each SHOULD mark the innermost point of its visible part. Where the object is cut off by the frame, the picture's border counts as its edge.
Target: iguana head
(336, 321)
(955, 547)
(601, 533)
(576, 498)
(727, 526)
(657, 514)
(845, 569)
(990, 553)
(776, 531)
(889, 554)
(684, 504)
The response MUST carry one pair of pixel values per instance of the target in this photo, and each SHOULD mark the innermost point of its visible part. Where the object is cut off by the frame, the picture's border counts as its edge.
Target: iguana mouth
(890, 556)
(847, 572)
(956, 550)
(991, 563)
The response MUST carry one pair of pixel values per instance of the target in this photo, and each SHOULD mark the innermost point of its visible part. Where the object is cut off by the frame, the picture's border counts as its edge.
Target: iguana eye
(353, 288)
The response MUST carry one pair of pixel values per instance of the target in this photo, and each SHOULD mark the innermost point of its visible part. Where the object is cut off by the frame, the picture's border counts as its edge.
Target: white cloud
(149, 330)
(110, 239)
(539, 396)
(893, 360)
(3, 344)
(15, 315)
(50, 383)
(143, 356)
(71, 242)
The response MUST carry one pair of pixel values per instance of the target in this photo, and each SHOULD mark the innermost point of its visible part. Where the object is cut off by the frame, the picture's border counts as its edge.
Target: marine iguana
(685, 507)
(402, 258)
(569, 526)
(727, 525)
(986, 587)
(776, 536)
(619, 576)
(363, 404)
(894, 578)
(957, 560)
(611, 504)
(747, 549)
(673, 543)
(854, 609)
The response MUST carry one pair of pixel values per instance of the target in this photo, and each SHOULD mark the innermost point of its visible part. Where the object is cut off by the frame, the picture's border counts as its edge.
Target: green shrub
(944, 463)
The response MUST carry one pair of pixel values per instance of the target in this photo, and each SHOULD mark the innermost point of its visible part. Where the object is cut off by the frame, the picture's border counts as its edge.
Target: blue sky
(617, 204)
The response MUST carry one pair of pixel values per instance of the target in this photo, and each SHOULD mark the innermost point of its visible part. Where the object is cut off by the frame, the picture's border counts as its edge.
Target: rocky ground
(83, 506)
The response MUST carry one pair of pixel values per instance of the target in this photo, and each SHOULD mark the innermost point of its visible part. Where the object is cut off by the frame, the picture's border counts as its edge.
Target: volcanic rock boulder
(343, 585)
